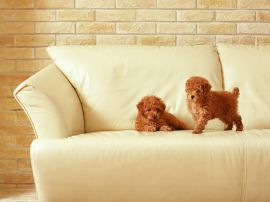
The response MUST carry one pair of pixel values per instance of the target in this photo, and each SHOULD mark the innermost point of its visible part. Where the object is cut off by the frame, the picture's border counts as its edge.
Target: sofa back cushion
(248, 67)
(111, 80)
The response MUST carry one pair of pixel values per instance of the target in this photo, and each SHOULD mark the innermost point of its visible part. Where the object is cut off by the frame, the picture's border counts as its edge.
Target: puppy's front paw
(150, 128)
(165, 128)
(197, 131)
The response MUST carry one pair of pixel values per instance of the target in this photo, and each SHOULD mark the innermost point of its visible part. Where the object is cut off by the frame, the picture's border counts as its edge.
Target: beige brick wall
(28, 26)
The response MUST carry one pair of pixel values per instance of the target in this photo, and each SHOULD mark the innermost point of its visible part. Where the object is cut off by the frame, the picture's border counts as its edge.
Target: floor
(18, 195)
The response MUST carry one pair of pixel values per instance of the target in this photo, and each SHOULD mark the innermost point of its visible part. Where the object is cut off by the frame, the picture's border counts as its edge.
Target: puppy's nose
(192, 96)
(155, 116)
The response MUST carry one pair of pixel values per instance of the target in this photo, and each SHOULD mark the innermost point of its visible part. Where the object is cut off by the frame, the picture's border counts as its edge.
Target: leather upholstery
(248, 68)
(111, 80)
(176, 166)
(51, 104)
(127, 166)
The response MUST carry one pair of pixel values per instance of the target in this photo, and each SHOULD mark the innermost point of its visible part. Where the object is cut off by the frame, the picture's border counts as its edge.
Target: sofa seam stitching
(25, 110)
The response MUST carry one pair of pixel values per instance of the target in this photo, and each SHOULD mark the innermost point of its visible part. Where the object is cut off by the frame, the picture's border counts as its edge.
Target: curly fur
(205, 105)
(153, 117)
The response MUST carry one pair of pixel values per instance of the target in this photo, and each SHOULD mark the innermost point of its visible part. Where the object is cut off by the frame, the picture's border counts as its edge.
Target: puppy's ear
(206, 87)
(140, 106)
(163, 105)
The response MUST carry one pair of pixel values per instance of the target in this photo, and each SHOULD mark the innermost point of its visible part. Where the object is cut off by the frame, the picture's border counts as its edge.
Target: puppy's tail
(175, 122)
(181, 125)
(236, 92)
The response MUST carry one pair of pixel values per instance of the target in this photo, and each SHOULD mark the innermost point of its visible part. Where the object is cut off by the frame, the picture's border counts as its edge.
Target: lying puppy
(153, 117)
(205, 104)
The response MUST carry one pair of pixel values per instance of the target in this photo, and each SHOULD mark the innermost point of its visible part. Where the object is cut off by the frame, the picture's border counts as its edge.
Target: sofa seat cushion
(175, 166)
(111, 80)
(248, 67)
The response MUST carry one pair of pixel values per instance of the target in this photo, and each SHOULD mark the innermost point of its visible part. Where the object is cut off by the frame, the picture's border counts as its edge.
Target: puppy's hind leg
(228, 123)
(237, 120)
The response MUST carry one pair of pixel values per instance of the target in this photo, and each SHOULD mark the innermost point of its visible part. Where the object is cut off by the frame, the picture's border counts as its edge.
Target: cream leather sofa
(83, 108)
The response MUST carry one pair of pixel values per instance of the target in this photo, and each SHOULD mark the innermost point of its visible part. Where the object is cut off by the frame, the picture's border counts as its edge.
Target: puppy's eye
(198, 91)
(148, 110)
(158, 110)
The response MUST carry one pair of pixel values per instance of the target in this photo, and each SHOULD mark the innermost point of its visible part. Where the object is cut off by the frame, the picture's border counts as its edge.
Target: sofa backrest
(248, 67)
(111, 80)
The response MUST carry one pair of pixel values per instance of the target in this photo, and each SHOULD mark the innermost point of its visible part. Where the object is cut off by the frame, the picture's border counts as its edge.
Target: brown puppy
(153, 117)
(205, 105)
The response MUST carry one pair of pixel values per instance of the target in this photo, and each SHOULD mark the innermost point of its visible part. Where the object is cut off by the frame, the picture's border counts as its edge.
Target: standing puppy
(205, 105)
(153, 117)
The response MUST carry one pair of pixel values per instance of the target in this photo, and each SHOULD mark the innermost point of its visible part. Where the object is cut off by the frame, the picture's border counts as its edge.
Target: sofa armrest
(51, 104)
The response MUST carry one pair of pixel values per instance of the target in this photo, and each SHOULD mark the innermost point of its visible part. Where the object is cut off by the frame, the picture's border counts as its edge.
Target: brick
(16, 4)
(249, 40)
(31, 65)
(54, 3)
(9, 104)
(41, 53)
(156, 15)
(35, 40)
(22, 140)
(137, 27)
(176, 28)
(263, 16)
(236, 15)
(176, 3)
(27, 186)
(216, 4)
(6, 40)
(13, 79)
(6, 91)
(8, 164)
(55, 27)
(263, 40)
(195, 15)
(16, 178)
(95, 4)
(16, 53)
(27, 15)
(254, 28)
(8, 186)
(34, 15)
(15, 128)
(115, 40)
(13, 152)
(7, 15)
(254, 4)
(8, 116)
(156, 40)
(183, 40)
(75, 40)
(115, 15)
(21, 116)
(24, 164)
(135, 3)
(217, 28)
(75, 15)
(95, 27)
(16, 27)
(7, 65)
(16, 140)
